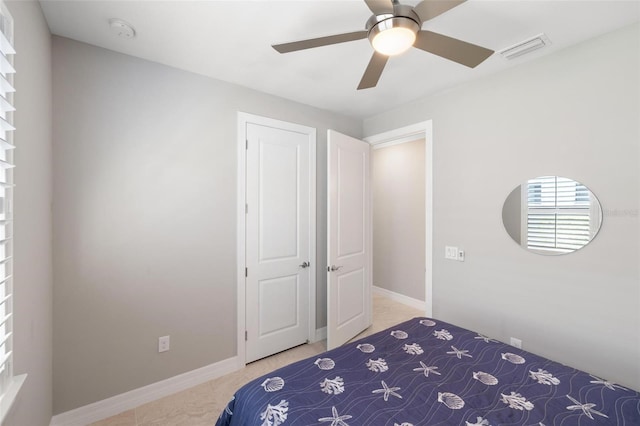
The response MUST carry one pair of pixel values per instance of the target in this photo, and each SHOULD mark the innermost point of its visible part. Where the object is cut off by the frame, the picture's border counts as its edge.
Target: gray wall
(32, 229)
(398, 183)
(145, 218)
(582, 104)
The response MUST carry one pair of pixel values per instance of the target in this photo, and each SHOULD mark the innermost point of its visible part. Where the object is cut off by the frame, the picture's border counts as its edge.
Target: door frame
(408, 134)
(241, 261)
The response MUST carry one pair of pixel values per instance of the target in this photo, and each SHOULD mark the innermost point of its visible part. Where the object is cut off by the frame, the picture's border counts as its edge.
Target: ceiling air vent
(525, 46)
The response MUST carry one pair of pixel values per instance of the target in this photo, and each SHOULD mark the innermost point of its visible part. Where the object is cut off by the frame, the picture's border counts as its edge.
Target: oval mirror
(552, 215)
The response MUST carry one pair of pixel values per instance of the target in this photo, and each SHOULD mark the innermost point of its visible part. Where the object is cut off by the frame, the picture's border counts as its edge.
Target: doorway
(406, 135)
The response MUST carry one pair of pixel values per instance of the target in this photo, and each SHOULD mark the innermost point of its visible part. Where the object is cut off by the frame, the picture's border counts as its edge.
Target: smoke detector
(525, 46)
(121, 28)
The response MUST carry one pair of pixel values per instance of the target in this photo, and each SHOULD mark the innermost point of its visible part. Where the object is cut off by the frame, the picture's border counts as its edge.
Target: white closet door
(278, 238)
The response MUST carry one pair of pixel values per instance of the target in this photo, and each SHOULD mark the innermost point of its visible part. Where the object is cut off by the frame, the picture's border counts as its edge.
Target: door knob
(334, 268)
(305, 264)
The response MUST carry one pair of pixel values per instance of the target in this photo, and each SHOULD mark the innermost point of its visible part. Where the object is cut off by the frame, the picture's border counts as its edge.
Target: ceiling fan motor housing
(399, 11)
(402, 18)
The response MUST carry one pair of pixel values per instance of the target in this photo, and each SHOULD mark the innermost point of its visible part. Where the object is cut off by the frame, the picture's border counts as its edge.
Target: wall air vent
(525, 46)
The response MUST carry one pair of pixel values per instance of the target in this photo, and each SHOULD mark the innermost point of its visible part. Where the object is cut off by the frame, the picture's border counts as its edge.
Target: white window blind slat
(5, 338)
(4, 319)
(6, 47)
(6, 42)
(6, 165)
(5, 86)
(5, 65)
(5, 145)
(5, 105)
(5, 125)
(4, 360)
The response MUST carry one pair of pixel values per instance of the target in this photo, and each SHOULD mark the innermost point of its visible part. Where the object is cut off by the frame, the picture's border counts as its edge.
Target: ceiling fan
(393, 29)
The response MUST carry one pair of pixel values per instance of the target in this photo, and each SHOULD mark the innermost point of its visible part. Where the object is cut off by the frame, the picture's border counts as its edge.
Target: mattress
(429, 372)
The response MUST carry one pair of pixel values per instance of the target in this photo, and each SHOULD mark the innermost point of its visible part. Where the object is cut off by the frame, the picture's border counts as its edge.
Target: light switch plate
(451, 253)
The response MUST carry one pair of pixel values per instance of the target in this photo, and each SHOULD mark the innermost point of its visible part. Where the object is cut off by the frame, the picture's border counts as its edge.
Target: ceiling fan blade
(320, 41)
(379, 7)
(428, 9)
(453, 49)
(374, 71)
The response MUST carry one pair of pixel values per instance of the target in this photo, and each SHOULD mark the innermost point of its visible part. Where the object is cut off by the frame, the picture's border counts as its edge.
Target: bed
(428, 372)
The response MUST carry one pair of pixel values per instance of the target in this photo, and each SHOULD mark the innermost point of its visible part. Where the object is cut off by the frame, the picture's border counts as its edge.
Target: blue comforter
(428, 372)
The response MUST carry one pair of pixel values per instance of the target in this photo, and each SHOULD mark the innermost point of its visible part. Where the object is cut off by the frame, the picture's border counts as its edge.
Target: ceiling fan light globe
(393, 36)
(393, 41)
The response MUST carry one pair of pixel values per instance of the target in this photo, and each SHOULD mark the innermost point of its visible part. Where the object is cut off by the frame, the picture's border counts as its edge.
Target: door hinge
(246, 144)
(246, 272)
(246, 209)
(246, 335)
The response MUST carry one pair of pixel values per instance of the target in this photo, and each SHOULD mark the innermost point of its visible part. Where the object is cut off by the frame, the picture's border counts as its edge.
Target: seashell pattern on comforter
(443, 374)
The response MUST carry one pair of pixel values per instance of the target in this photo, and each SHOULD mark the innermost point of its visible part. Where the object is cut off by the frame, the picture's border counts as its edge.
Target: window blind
(558, 214)
(6, 195)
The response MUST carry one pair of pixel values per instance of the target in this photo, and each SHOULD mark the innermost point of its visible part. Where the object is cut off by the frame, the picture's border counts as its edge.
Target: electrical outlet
(164, 343)
(517, 343)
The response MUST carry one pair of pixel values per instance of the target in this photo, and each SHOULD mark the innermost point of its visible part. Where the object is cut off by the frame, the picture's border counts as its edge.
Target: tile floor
(201, 405)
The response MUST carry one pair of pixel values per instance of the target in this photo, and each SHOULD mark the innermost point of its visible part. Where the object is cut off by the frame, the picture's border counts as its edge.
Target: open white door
(349, 238)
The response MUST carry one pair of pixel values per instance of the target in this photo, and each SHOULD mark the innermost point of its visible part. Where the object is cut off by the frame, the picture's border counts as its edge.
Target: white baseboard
(321, 334)
(126, 401)
(401, 298)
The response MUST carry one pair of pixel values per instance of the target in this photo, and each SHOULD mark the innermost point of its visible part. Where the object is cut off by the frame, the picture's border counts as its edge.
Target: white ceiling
(230, 41)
